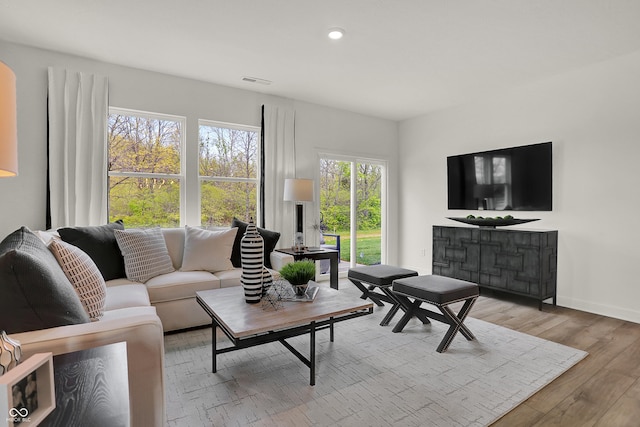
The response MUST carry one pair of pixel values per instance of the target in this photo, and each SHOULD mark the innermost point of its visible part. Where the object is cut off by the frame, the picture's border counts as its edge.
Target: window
(145, 168)
(228, 172)
(147, 176)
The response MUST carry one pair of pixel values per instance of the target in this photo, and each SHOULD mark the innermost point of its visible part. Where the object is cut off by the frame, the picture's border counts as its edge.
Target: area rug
(369, 376)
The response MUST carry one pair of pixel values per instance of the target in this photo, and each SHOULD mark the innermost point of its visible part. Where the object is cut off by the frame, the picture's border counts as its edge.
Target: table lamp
(298, 190)
(8, 123)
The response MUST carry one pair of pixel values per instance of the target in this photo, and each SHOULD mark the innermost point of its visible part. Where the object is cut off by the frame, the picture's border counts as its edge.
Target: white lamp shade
(8, 123)
(298, 190)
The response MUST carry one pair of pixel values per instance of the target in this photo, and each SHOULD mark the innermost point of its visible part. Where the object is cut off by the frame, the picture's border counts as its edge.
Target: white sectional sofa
(136, 313)
(174, 294)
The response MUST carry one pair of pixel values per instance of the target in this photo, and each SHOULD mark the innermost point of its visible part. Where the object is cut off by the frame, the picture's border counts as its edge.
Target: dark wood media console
(522, 262)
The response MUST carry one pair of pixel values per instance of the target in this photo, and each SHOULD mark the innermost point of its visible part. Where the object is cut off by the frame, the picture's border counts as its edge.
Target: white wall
(592, 115)
(23, 197)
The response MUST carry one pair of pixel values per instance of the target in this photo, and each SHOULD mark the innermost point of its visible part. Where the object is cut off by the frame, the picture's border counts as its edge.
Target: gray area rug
(368, 376)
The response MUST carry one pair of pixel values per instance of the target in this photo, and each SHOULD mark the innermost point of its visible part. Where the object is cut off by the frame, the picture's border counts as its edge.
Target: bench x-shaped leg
(378, 298)
(368, 292)
(396, 305)
(410, 309)
(455, 322)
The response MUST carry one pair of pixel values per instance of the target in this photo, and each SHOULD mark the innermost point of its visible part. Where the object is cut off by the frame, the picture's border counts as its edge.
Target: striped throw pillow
(83, 274)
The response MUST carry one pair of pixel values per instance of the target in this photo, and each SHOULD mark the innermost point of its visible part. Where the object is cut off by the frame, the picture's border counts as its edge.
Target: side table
(318, 254)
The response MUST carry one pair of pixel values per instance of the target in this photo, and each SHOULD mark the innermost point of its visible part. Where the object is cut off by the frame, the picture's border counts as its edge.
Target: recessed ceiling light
(336, 33)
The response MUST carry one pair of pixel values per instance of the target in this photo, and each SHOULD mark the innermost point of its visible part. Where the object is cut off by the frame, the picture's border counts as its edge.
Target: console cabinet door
(456, 252)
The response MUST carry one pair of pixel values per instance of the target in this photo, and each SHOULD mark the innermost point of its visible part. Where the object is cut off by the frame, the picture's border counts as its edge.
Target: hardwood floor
(601, 390)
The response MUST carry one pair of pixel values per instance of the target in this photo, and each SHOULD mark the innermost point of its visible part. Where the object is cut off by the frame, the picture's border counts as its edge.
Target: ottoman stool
(379, 276)
(439, 291)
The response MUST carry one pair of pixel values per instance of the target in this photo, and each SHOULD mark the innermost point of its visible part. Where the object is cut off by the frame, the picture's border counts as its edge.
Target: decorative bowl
(492, 222)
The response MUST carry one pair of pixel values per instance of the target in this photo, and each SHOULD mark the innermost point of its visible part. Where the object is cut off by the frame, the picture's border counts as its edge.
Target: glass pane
(228, 152)
(142, 202)
(335, 203)
(500, 170)
(369, 214)
(139, 144)
(221, 201)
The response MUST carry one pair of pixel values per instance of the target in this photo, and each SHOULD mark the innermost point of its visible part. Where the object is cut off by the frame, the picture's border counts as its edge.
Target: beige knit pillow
(83, 274)
(145, 253)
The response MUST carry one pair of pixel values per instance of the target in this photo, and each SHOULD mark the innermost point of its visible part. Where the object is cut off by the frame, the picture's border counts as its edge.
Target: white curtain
(78, 107)
(279, 163)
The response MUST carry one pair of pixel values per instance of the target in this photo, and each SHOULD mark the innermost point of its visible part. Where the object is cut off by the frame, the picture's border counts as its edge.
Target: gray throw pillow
(36, 294)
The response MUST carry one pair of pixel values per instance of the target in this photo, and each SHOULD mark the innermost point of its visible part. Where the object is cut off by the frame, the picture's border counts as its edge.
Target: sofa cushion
(269, 237)
(100, 244)
(180, 285)
(119, 282)
(145, 253)
(83, 274)
(131, 321)
(36, 294)
(133, 295)
(207, 250)
(230, 278)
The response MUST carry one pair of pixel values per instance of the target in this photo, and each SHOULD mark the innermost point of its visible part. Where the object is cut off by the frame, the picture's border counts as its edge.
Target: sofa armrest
(279, 260)
(141, 329)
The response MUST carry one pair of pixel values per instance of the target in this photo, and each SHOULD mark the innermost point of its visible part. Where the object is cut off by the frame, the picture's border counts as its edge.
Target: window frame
(208, 178)
(181, 177)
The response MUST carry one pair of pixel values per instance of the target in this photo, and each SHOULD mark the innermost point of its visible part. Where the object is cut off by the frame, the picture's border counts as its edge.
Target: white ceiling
(399, 58)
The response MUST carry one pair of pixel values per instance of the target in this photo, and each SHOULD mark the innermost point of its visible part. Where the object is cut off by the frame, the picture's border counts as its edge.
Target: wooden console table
(522, 262)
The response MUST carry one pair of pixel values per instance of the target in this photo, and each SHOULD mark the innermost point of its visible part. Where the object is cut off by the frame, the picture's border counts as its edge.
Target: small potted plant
(298, 274)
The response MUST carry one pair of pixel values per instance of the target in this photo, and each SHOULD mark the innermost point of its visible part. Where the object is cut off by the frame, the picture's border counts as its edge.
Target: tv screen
(517, 178)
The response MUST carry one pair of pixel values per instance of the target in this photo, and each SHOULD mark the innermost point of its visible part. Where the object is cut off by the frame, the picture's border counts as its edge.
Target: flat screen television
(517, 178)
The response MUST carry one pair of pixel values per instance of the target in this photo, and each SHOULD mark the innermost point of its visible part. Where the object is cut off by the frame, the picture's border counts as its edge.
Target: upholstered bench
(439, 291)
(379, 276)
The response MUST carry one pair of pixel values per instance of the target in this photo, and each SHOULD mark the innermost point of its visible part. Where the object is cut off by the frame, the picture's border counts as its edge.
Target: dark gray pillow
(99, 242)
(36, 294)
(269, 237)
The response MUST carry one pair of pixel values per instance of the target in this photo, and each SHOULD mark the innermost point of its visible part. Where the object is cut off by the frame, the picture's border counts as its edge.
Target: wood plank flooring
(601, 390)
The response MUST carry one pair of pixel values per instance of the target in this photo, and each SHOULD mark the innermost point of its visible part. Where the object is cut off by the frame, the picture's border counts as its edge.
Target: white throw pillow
(83, 274)
(145, 253)
(208, 250)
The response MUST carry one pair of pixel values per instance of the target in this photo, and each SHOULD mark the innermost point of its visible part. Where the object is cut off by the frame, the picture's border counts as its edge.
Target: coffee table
(248, 325)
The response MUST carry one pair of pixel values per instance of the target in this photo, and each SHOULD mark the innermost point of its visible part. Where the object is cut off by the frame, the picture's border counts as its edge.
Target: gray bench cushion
(380, 275)
(435, 289)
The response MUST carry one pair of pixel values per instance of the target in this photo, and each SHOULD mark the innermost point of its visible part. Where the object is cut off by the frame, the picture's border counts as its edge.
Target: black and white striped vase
(252, 253)
(267, 280)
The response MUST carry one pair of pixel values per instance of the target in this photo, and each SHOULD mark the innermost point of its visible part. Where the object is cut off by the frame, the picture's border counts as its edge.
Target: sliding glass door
(352, 209)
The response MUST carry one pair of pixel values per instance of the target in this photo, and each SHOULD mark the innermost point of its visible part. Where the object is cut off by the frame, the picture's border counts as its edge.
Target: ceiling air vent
(256, 80)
